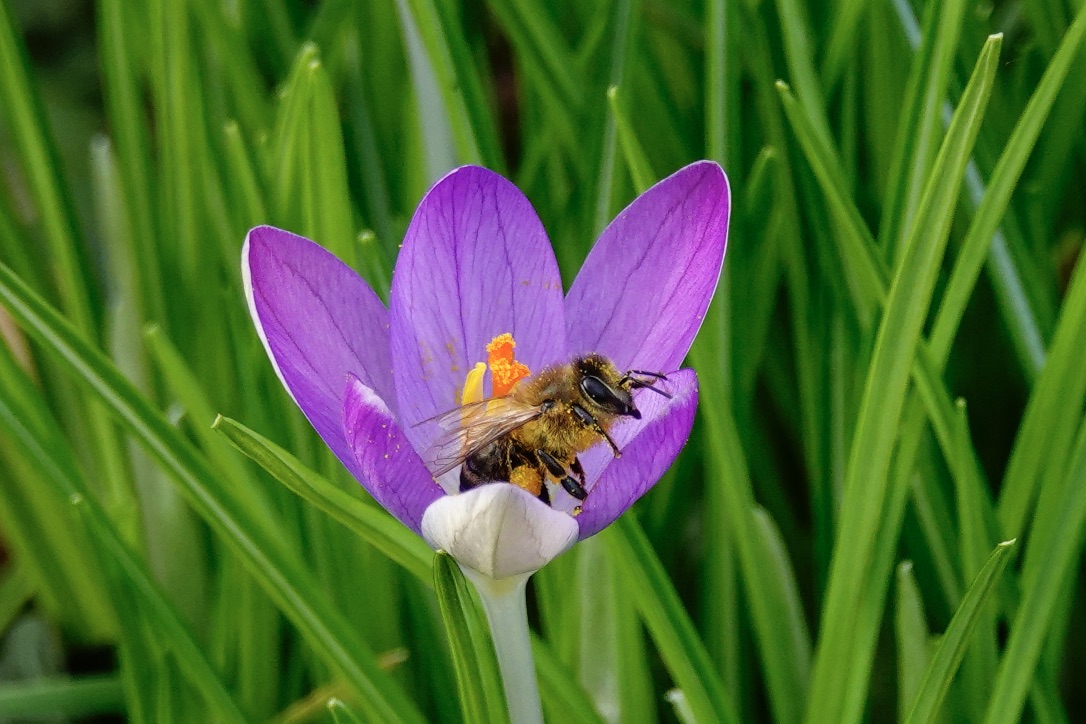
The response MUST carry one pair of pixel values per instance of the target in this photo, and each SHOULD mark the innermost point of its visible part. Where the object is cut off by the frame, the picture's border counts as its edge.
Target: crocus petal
(475, 263)
(389, 468)
(319, 321)
(498, 529)
(645, 457)
(643, 290)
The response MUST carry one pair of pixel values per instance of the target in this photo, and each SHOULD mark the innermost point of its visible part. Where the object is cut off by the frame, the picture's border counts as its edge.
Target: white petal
(498, 529)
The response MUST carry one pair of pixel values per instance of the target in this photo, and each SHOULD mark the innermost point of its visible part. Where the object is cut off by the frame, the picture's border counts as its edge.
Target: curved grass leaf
(839, 680)
(645, 580)
(472, 667)
(944, 664)
(62, 697)
(277, 568)
(17, 407)
(371, 523)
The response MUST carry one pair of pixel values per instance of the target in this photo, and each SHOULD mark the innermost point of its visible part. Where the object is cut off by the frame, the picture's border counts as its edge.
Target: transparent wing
(472, 427)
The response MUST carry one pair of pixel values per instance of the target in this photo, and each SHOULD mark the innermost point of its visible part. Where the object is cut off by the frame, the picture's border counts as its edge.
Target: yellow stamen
(473, 385)
(505, 370)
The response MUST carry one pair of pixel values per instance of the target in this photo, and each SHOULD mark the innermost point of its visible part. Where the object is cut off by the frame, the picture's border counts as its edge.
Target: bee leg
(575, 466)
(586, 419)
(556, 469)
(574, 488)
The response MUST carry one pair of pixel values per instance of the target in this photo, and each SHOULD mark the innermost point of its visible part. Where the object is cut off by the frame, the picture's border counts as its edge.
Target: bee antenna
(646, 373)
(642, 385)
(657, 390)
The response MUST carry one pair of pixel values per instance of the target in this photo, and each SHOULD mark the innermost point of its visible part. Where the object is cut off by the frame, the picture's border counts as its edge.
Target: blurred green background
(892, 371)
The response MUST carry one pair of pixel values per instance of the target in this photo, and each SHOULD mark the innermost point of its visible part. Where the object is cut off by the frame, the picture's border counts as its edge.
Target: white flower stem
(507, 613)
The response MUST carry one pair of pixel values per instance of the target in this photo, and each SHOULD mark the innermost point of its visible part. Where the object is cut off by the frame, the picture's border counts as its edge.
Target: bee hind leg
(559, 472)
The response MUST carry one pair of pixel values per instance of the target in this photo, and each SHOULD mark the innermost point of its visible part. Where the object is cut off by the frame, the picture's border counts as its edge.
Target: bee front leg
(585, 418)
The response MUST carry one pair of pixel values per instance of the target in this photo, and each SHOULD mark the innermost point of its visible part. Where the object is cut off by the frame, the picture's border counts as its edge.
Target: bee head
(599, 384)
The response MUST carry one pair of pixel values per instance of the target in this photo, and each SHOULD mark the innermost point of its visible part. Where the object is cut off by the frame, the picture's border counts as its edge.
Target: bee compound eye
(597, 390)
(617, 402)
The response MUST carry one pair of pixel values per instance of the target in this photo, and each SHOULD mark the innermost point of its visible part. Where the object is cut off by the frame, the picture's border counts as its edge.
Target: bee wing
(472, 427)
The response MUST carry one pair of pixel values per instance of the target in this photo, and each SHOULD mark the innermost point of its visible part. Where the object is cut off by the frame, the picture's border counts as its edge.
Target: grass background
(892, 370)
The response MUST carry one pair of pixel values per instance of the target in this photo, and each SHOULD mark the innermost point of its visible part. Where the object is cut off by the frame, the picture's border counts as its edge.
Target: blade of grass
(62, 697)
(944, 664)
(375, 526)
(129, 137)
(60, 473)
(466, 643)
(26, 119)
(457, 85)
(1045, 435)
(561, 702)
(920, 124)
(341, 713)
(645, 581)
(839, 681)
(976, 520)
(277, 568)
(911, 637)
(16, 590)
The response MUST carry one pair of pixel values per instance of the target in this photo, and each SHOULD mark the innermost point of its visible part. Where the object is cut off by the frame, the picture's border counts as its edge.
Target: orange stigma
(505, 371)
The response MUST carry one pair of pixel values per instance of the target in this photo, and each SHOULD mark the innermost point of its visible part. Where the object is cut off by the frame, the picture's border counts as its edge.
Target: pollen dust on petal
(505, 370)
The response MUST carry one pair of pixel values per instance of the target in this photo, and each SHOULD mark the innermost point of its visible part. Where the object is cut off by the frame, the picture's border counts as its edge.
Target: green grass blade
(561, 702)
(62, 697)
(858, 246)
(466, 643)
(640, 170)
(277, 568)
(911, 637)
(1044, 436)
(375, 526)
(24, 115)
(341, 713)
(920, 124)
(976, 521)
(944, 664)
(1001, 184)
(16, 590)
(130, 138)
(644, 580)
(839, 653)
(456, 83)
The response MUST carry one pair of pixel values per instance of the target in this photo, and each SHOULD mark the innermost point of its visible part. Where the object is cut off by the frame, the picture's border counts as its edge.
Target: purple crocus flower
(476, 264)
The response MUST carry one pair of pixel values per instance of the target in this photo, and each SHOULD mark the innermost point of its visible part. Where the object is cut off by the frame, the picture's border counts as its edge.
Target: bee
(533, 435)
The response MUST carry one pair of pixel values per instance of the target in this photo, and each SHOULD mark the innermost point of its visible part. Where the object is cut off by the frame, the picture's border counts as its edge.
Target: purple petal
(319, 321)
(389, 468)
(648, 449)
(643, 290)
(475, 263)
